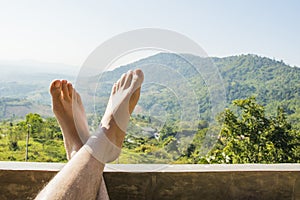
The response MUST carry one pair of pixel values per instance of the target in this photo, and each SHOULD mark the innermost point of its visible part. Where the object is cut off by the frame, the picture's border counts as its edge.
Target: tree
(249, 136)
(52, 129)
(36, 123)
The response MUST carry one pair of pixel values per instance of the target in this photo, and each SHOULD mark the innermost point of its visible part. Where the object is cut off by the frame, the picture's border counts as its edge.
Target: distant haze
(11, 70)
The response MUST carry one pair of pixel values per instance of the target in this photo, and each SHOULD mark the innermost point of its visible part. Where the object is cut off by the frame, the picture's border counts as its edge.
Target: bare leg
(83, 169)
(65, 100)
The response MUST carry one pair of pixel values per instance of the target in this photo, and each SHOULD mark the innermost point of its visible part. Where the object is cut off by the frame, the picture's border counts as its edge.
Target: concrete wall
(19, 180)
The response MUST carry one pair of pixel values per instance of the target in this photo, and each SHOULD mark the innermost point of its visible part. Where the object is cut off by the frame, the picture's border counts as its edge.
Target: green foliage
(253, 130)
(45, 140)
(273, 83)
(250, 136)
(13, 145)
(35, 122)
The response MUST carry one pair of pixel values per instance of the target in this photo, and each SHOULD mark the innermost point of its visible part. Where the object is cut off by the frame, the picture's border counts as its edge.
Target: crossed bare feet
(67, 105)
(68, 108)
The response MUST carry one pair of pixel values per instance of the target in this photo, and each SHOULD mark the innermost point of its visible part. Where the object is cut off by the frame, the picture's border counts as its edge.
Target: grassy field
(50, 151)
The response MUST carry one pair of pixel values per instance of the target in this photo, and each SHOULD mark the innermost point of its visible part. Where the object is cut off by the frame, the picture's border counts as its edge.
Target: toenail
(57, 84)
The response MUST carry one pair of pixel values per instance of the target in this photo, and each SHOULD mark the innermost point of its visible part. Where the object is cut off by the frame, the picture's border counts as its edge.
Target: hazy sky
(68, 31)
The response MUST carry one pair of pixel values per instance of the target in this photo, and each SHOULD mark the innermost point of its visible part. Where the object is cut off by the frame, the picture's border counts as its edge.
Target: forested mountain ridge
(262, 76)
(265, 131)
(272, 82)
(243, 75)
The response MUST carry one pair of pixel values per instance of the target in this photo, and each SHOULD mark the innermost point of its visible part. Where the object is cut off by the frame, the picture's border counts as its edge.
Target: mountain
(272, 82)
(14, 70)
(170, 78)
(184, 87)
(24, 86)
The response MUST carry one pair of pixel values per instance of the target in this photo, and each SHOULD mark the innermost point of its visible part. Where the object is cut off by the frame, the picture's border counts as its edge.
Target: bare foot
(65, 102)
(123, 99)
(62, 105)
(105, 144)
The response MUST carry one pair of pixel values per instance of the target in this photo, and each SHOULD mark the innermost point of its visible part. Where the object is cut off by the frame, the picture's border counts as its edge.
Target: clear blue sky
(67, 31)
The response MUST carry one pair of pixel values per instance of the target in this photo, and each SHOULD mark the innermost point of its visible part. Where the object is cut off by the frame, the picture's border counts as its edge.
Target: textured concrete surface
(19, 180)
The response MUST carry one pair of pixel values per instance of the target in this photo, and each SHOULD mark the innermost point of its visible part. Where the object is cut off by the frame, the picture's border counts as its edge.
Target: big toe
(139, 74)
(55, 88)
(137, 79)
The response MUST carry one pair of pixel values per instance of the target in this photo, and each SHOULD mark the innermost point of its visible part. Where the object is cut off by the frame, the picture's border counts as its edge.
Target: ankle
(113, 132)
(101, 147)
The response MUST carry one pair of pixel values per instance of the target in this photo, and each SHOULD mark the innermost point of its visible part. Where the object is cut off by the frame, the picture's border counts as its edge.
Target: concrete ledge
(20, 180)
(136, 168)
(132, 168)
(31, 166)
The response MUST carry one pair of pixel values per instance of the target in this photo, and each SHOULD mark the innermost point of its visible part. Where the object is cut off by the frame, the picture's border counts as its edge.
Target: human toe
(55, 88)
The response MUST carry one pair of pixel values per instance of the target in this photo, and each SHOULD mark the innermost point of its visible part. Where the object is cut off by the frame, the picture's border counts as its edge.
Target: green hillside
(272, 82)
(185, 100)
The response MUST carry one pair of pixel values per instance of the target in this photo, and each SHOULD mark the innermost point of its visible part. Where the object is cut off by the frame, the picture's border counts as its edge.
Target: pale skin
(83, 169)
(66, 101)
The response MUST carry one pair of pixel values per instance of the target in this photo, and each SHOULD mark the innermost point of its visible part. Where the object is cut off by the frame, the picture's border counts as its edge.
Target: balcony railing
(23, 180)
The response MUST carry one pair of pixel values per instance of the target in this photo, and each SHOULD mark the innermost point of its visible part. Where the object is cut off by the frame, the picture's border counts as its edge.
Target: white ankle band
(101, 148)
